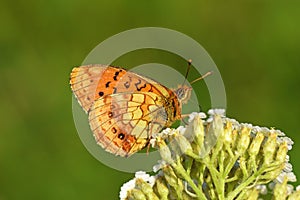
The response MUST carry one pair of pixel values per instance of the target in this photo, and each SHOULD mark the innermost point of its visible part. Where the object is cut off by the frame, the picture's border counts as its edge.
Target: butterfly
(125, 108)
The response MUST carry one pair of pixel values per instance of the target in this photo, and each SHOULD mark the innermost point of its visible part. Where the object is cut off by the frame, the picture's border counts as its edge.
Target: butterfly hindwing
(123, 123)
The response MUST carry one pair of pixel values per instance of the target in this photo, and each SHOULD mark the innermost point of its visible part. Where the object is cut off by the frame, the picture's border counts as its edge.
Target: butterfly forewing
(84, 82)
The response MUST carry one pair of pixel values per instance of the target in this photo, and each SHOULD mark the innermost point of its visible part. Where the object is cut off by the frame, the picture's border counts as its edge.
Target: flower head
(216, 158)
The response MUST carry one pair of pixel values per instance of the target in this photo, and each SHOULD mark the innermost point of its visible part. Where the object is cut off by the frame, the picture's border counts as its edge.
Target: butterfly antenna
(187, 71)
(202, 77)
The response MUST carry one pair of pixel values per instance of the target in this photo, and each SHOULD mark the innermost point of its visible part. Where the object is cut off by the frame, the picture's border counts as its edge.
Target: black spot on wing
(117, 74)
(107, 84)
(110, 114)
(101, 93)
(121, 136)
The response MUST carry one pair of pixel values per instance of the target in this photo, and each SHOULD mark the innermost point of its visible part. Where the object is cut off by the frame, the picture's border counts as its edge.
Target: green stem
(201, 178)
(178, 168)
(221, 162)
(230, 165)
(218, 181)
(253, 164)
(244, 169)
(188, 165)
(244, 184)
(241, 195)
(194, 156)
(232, 179)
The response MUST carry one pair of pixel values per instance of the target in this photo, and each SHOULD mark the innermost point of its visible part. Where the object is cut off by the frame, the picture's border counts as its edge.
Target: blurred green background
(255, 44)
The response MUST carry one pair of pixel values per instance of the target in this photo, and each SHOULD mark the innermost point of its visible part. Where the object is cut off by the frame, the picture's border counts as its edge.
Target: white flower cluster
(126, 187)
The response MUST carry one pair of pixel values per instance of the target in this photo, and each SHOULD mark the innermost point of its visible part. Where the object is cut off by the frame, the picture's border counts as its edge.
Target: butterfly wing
(92, 82)
(123, 123)
(124, 108)
(84, 82)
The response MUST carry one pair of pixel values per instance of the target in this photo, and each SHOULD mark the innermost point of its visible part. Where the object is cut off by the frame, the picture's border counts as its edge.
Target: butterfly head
(183, 93)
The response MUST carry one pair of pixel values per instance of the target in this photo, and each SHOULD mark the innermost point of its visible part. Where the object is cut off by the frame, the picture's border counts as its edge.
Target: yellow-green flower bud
(162, 189)
(164, 151)
(228, 133)
(136, 194)
(282, 152)
(269, 149)
(146, 189)
(170, 176)
(235, 137)
(294, 196)
(280, 190)
(183, 143)
(244, 140)
(198, 131)
(256, 144)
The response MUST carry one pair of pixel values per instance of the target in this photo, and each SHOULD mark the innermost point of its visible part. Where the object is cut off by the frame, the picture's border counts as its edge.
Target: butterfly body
(125, 108)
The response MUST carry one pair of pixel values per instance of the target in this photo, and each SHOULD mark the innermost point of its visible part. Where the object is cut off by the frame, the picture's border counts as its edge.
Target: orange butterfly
(125, 108)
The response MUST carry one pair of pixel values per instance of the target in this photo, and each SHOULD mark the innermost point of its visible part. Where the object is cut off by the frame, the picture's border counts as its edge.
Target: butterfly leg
(183, 118)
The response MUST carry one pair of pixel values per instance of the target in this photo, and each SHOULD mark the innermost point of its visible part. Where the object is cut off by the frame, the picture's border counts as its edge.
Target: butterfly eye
(183, 94)
(180, 92)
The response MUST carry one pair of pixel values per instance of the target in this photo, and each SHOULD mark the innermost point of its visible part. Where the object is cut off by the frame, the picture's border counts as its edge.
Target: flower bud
(162, 189)
(280, 190)
(146, 189)
(198, 131)
(165, 152)
(136, 195)
(244, 140)
(281, 153)
(269, 149)
(256, 144)
(228, 133)
(183, 143)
